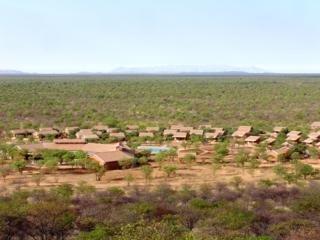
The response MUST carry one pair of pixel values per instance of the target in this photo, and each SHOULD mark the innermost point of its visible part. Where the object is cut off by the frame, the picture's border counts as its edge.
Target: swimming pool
(154, 149)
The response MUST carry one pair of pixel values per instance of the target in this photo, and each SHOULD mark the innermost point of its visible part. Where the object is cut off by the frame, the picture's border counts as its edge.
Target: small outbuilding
(270, 141)
(146, 134)
(169, 132)
(179, 136)
(185, 129)
(293, 138)
(132, 127)
(314, 135)
(197, 132)
(71, 130)
(16, 133)
(242, 132)
(46, 132)
(315, 125)
(252, 139)
(294, 133)
(279, 129)
(101, 128)
(152, 129)
(212, 135)
(119, 135)
(69, 141)
(111, 159)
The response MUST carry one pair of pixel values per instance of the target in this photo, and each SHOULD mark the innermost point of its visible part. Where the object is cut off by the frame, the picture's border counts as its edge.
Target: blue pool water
(154, 149)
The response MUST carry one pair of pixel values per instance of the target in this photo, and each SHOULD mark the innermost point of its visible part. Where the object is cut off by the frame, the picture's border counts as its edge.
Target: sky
(50, 36)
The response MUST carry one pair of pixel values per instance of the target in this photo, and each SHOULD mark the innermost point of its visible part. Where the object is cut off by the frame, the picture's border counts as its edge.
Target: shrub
(170, 170)
(99, 233)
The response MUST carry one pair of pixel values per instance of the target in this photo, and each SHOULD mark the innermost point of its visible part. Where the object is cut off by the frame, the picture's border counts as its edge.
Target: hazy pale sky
(98, 35)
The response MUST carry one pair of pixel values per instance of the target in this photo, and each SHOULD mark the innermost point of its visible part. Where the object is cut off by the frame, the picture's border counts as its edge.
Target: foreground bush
(268, 212)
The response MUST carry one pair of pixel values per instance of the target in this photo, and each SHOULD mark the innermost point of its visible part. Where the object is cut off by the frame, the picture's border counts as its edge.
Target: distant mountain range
(11, 72)
(183, 69)
(187, 69)
(167, 70)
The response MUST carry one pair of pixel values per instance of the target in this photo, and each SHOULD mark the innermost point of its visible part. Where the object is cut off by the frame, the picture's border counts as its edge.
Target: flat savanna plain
(261, 101)
(232, 192)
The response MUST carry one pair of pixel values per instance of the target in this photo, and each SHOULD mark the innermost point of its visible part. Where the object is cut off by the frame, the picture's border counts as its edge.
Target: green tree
(217, 159)
(83, 188)
(81, 159)
(314, 152)
(242, 158)
(279, 170)
(51, 165)
(147, 172)
(221, 149)
(125, 163)
(69, 158)
(254, 164)
(129, 178)
(215, 167)
(98, 170)
(285, 174)
(98, 233)
(64, 191)
(303, 170)
(19, 165)
(50, 219)
(160, 158)
(171, 153)
(170, 170)
(295, 156)
(189, 160)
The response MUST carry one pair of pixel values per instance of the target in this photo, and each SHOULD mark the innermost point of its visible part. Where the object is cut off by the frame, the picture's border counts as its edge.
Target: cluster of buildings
(174, 132)
(77, 139)
(108, 155)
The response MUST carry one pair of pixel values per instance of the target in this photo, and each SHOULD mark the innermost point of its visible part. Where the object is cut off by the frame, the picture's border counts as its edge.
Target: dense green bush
(213, 212)
(115, 100)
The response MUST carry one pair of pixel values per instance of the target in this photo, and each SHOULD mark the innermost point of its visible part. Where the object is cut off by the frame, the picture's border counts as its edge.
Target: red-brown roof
(309, 141)
(69, 141)
(119, 135)
(146, 134)
(185, 129)
(212, 135)
(270, 140)
(293, 133)
(152, 129)
(314, 135)
(132, 127)
(169, 132)
(89, 147)
(315, 125)
(279, 129)
(180, 135)
(293, 138)
(101, 128)
(198, 132)
(114, 156)
(252, 139)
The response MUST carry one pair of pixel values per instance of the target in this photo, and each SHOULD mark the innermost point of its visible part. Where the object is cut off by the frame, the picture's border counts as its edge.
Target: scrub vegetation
(222, 101)
(235, 191)
(211, 212)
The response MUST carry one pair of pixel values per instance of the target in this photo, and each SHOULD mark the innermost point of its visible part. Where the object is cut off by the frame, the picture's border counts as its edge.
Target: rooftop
(252, 139)
(111, 156)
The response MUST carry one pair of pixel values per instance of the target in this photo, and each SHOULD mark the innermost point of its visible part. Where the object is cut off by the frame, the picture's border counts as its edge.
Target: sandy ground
(199, 173)
(196, 175)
